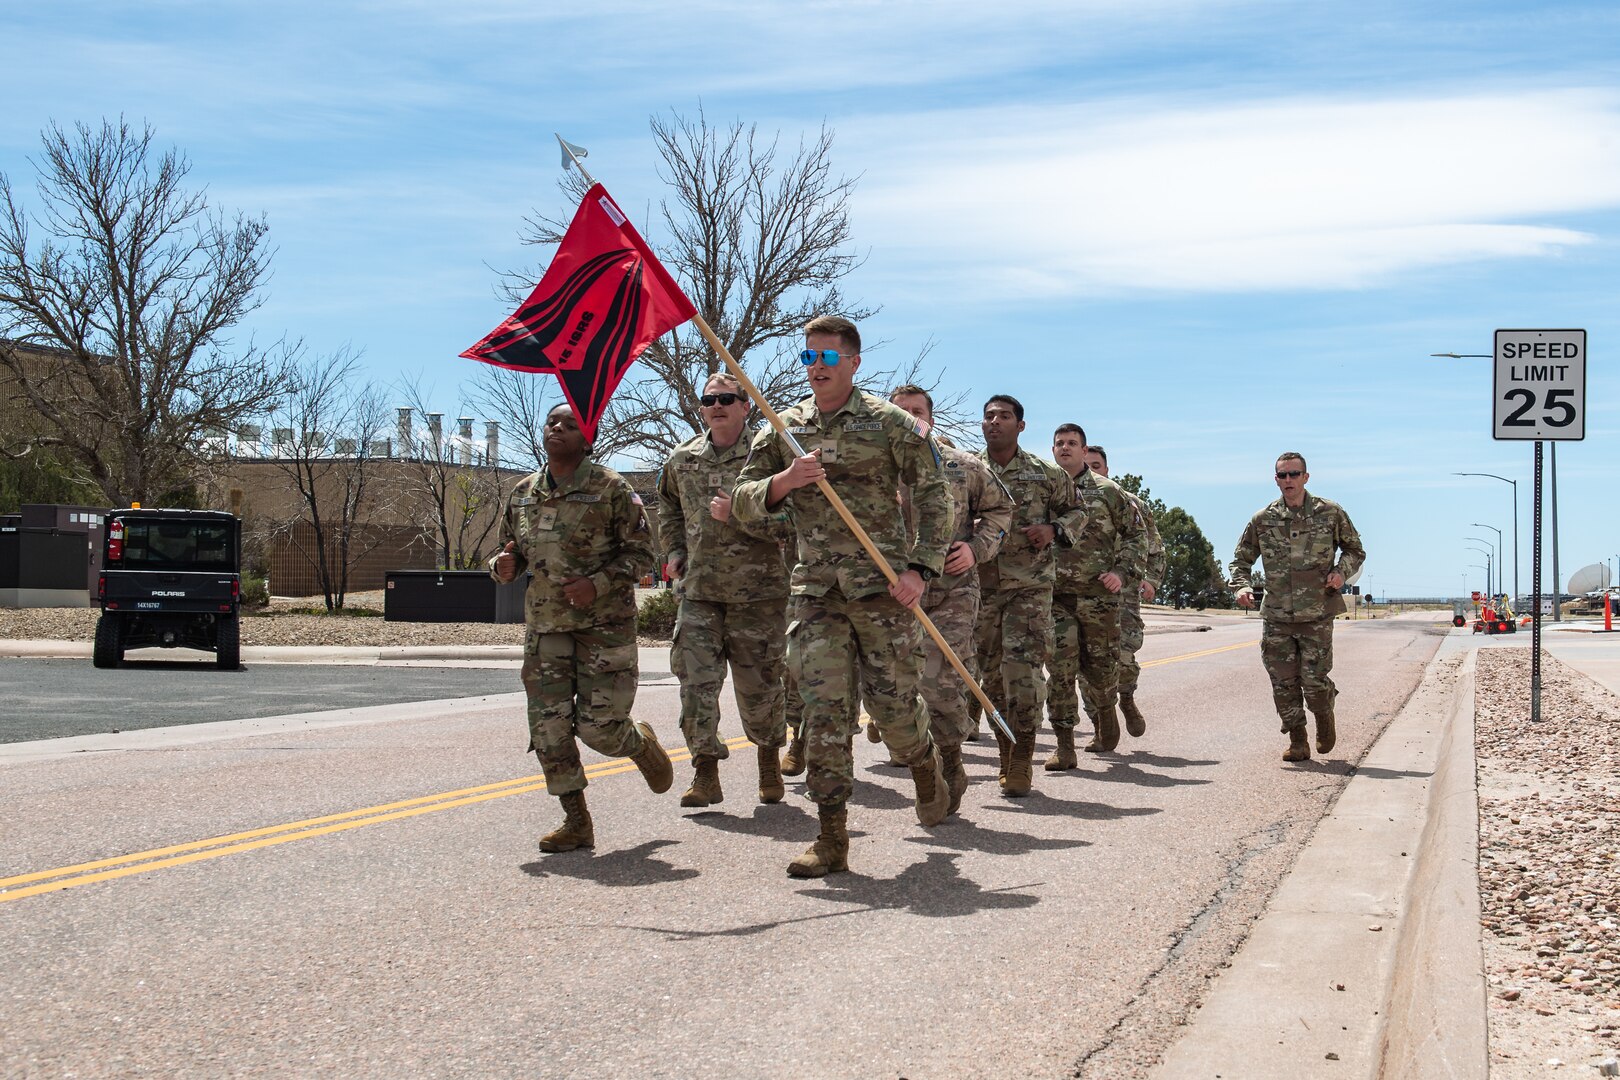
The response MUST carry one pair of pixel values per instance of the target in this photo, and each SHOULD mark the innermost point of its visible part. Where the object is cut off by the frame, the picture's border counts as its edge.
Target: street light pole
(1487, 570)
(1498, 532)
(1485, 551)
(1515, 484)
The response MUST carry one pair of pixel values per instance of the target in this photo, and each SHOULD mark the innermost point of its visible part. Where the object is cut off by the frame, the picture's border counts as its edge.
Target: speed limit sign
(1540, 390)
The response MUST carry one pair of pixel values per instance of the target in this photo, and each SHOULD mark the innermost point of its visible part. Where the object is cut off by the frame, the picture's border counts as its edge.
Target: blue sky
(1208, 231)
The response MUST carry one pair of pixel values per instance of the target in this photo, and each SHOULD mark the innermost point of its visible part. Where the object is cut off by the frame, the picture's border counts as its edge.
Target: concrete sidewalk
(1368, 960)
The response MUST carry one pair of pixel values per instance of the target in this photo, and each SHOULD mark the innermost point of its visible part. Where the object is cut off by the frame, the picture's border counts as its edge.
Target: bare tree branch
(113, 322)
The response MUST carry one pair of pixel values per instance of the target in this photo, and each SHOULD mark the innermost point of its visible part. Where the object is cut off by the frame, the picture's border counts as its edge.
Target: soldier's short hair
(1072, 429)
(1007, 399)
(912, 389)
(1293, 455)
(838, 326)
(1095, 449)
(725, 378)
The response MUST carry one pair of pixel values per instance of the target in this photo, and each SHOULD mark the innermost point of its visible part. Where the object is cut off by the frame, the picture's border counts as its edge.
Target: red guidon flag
(604, 298)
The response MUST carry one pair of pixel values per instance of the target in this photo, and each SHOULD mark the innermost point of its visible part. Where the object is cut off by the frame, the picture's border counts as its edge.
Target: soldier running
(1091, 574)
(850, 624)
(580, 528)
(733, 589)
(1308, 548)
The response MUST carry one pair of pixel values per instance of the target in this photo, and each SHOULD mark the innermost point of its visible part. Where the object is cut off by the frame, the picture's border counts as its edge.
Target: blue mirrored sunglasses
(826, 356)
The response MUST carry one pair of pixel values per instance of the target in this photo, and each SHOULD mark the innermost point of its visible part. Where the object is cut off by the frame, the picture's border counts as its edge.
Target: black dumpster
(451, 596)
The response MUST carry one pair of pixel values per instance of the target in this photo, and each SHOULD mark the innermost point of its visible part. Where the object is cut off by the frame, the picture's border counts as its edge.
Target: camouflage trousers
(581, 682)
(1085, 650)
(1298, 657)
(955, 613)
(842, 651)
(1131, 632)
(1014, 641)
(751, 637)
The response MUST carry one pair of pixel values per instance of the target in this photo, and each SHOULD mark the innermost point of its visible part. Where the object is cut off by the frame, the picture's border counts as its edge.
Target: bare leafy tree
(331, 416)
(758, 236)
(113, 320)
(463, 494)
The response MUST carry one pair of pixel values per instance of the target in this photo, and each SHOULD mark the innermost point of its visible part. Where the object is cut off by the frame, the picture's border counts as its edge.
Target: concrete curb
(1310, 991)
(280, 654)
(1437, 1025)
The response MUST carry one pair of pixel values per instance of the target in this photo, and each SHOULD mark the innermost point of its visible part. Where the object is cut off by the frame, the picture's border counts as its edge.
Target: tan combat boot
(1063, 757)
(793, 760)
(771, 788)
(830, 853)
(576, 831)
(1135, 723)
(872, 732)
(933, 793)
(1020, 767)
(1107, 733)
(705, 789)
(956, 778)
(652, 761)
(1326, 733)
(1298, 748)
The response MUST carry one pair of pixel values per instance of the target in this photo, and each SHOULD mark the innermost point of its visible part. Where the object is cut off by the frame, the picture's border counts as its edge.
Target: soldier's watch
(922, 571)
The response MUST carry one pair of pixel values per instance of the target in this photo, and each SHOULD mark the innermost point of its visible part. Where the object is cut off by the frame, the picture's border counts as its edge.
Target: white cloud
(1289, 195)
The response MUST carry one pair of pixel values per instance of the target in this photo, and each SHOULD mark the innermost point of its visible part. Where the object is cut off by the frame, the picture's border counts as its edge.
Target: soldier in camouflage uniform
(1132, 593)
(1309, 548)
(850, 624)
(581, 530)
(1015, 610)
(983, 516)
(1107, 551)
(733, 589)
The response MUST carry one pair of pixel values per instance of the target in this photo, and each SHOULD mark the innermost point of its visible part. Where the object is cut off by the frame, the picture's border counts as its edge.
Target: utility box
(42, 567)
(509, 599)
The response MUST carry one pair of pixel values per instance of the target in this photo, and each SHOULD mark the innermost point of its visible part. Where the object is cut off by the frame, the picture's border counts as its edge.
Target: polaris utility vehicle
(170, 578)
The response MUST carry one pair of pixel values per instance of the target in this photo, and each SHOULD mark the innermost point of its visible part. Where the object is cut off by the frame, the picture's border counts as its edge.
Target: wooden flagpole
(832, 496)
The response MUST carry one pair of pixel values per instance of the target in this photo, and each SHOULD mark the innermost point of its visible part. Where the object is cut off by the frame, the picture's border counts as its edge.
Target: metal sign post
(1535, 599)
(1539, 393)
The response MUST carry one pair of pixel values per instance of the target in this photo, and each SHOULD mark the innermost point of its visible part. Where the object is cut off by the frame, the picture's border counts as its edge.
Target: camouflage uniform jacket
(1298, 548)
(1111, 539)
(870, 449)
(727, 562)
(984, 510)
(589, 525)
(1153, 545)
(1042, 494)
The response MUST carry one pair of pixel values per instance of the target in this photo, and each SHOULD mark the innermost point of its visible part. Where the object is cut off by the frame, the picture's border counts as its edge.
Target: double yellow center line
(69, 877)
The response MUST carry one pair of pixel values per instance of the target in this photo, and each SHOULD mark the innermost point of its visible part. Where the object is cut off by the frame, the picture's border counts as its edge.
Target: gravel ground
(1549, 808)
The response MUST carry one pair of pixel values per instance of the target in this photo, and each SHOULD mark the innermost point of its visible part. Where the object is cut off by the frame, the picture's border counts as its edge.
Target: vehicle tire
(228, 643)
(109, 646)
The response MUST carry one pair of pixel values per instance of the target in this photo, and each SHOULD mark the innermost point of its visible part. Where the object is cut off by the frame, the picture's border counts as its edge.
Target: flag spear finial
(571, 155)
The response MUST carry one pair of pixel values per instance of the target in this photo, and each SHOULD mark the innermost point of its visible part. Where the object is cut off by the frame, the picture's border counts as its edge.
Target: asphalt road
(387, 914)
(48, 699)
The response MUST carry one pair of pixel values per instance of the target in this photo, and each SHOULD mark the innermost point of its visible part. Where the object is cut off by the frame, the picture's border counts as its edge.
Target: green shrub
(255, 591)
(657, 615)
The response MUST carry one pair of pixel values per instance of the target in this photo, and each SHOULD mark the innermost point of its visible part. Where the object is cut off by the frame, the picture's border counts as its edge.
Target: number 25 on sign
(1540, 388)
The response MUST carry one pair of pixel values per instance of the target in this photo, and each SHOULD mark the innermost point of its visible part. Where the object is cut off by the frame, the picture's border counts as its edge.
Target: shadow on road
(1126, 772)
(777, 821)
(933, 888)
(1042, 802)
(1374, 772)
(632, 866)
(967, 835)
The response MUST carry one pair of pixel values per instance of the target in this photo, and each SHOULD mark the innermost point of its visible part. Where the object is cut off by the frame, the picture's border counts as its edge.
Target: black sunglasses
(1290, 474)
(710, 400)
